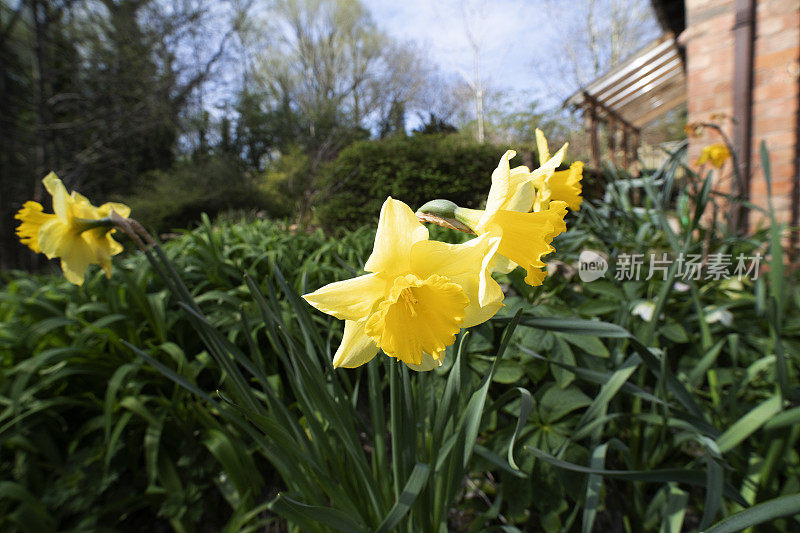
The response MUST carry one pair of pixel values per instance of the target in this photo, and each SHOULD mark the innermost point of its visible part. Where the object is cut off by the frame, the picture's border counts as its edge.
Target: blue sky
(509, 32)
(515, 36)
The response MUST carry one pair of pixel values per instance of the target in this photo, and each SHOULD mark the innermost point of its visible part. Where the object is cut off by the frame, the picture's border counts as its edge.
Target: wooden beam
(660, 110)
(626, 160)
(593, 136)
(607, 111)
(612, 139)
(642, 79)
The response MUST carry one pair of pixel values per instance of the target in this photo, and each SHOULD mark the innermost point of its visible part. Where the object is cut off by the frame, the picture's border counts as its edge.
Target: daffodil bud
(442, 213)
(440, 208)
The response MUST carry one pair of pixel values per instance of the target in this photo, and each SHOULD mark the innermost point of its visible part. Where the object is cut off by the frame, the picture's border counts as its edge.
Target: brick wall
(776, 90)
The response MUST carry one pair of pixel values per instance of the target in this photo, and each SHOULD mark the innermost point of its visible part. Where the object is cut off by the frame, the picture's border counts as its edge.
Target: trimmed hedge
(412, 169)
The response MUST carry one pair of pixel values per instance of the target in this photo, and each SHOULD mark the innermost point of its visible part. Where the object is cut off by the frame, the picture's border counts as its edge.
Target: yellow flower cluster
(716, 154)
(419, 293)
(77, 231)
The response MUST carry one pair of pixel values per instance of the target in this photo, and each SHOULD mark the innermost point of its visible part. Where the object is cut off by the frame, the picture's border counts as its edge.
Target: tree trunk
(41, 21)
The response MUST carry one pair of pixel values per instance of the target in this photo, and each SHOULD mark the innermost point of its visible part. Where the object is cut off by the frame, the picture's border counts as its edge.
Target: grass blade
(759, 514)
(416, 482)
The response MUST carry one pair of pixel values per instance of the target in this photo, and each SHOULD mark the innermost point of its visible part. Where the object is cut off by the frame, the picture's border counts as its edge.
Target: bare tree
(329, 57)
(587, 37)
(472, 17)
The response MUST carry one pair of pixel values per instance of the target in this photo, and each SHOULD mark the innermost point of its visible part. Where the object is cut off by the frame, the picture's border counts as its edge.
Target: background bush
(412, 169)
(209, 183)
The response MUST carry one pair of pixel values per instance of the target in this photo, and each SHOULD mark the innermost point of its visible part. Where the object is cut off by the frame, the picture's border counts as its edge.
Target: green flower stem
(86, 224)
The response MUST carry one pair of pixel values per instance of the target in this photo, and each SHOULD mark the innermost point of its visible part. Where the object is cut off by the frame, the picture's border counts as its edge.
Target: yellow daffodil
(77, 232)
(524, 236)
(417, 295)
(716, 154)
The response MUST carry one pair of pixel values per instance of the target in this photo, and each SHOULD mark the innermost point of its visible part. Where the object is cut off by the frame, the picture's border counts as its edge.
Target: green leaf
(668, 475)
(675, 510)
(594, 486)
(590, 345)
(759, 514)
(471, 419)
(555, 403)
(674, 332)
(715, 481)
(609, 389)
(416, 482)
(525, 403)
(509, 372)
(749, 423)
(314, 517)
(237, 463)
(562, 354)
(789, 417)
(575, 326)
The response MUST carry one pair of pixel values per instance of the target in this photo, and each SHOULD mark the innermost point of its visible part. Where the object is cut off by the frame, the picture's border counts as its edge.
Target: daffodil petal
(565, 185)
(500, 191)
(351, 299)
(103, 246)
(490, 295)
(61, 198)
(524, 193)
(544, 172)
(541, 146)
(32, 217)
(535, 276)
(502, 265)
(121, 209)
(53, 235)
(428, 363)
(467, 265)
(76, 259)
(526, 237)
(398, 229)
(57, 239)
(356, 348)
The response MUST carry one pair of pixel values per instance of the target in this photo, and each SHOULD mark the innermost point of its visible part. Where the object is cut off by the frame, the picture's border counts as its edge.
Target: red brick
(774, 91)
(776, 59)
(766, 125)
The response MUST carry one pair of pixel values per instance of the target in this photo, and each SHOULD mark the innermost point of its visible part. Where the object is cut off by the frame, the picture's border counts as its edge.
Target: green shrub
(412, 169)
(207, 184)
